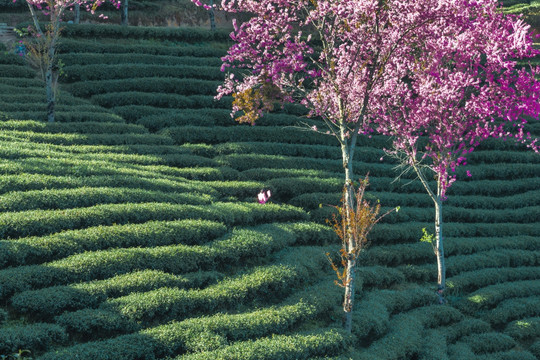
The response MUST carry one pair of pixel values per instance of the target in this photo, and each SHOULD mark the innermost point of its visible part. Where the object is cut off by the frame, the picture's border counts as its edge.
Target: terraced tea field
(130, 228)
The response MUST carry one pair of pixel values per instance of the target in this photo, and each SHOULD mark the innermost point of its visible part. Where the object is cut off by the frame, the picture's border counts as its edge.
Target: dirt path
(7, 35)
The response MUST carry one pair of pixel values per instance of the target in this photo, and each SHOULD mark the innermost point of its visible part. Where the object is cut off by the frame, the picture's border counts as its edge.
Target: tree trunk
(34, 18)
(77, 18)
(439, 249)
(348, 301)
(51, 96)
(212, 16)
(124, 13)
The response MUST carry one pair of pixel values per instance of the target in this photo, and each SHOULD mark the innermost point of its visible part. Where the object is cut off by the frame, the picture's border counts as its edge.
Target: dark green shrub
(512, 309)
(3, 316)
(527, 328)
(489, 342)
(38, 336)
(16, 71)
(470, 281)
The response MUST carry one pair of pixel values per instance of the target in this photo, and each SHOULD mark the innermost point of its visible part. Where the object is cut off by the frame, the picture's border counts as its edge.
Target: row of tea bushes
(490, 296)
(172, 303)
(160, 100)
(86, 197)
(73, 58)
(35, 250)
(43, 222)
(68, 46)
(473, 280)
(419, 252)
(312, 200)
(48, 302)
(179, 86)
(196, 334)
(75, 73)
(74, 127)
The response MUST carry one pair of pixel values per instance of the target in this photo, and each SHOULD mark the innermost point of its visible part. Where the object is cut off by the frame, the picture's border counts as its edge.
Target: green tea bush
(280, 347)
(219, 134)
(75, 73)
(434, 346)
(35, 250)
(497, 157)
(513, 309)
(87, 46)
(379, 276)
(3, 316)
(244, 162)
(43, 222)
(74, 127)
(130, 58)
(182, 117)
(42, 181)
(489, 342)
(491, 295)
(130, 113)
(173, 303)
(492, 258)
(38, 336)
(68, 116)
(21, 82)
(159, 100)
(179, 337)
(465, 327)
(299, 150)
(527, 328)
(186, 35)
(473, 280)
(54, 300)
(16, 71)
(535, 349)
(152, 85)
(104, 264)
(89, 139)
(403, 339)
(96, 323)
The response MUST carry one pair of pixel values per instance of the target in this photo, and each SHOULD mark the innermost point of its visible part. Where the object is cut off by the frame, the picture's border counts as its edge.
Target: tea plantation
(130, 227)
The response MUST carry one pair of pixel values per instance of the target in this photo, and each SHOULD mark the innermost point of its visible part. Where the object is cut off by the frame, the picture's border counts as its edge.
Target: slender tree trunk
(34, 18)
(124, 13)
(51, 96)
(77, 18)
(348, 301)
(439, 249)
(212, 16)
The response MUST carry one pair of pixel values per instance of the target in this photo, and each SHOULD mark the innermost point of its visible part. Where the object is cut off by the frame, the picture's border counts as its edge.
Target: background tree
(462, 88)
(44, 44)
(124, 12)
(344, 60)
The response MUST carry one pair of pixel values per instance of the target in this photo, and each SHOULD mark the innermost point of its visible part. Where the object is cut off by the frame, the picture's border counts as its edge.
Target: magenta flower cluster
(444, 70)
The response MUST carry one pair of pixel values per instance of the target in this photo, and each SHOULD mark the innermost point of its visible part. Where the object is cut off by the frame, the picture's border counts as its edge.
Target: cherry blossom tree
(462, 88)
(43, 44)
(348, 61)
